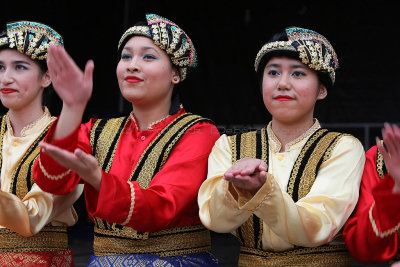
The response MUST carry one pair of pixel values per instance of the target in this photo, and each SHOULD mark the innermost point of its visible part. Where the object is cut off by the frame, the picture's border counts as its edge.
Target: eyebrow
(144, 48)
(294, 66)
(17, 62)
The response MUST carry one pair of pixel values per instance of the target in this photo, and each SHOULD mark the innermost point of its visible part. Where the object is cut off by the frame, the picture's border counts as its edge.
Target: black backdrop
(228, 35)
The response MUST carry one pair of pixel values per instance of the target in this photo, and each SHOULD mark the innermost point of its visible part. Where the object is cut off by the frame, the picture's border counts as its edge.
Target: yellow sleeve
(219, 210)
(37, 208)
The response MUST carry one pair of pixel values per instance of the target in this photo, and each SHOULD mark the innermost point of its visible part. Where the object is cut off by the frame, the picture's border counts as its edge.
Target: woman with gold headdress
(372, 232)
(286, 191)
(33, 223)
(142, 198)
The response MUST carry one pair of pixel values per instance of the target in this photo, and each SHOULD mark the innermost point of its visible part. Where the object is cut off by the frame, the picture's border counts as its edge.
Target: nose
(6, 77)
(133, 65)
(284, 82)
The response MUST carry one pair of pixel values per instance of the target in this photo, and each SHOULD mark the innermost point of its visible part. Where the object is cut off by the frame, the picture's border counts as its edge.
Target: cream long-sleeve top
(38, 208)
(313, 220)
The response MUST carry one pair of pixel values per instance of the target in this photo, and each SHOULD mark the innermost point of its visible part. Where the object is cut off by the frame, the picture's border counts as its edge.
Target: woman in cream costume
(32, 222)
(286, 191)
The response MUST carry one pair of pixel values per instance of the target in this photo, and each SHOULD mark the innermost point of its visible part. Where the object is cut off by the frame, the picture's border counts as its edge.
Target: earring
(176, 79)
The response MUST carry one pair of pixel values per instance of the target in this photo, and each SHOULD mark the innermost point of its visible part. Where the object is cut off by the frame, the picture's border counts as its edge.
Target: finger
(389, 139)
(88, 74)
(263, 166)
(87, 159)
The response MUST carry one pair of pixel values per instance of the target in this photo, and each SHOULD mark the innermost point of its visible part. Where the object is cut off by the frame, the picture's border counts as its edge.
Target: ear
(176, 78)
(322, 92)
(46, 80)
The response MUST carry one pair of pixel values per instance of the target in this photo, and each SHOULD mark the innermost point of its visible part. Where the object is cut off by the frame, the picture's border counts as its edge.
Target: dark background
(227, 36)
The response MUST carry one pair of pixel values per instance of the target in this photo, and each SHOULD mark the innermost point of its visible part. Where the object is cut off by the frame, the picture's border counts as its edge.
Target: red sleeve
(361, 240)
(51, 176)
(171, 198)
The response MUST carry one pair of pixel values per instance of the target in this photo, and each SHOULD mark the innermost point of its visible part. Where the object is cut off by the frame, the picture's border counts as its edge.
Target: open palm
(73, 85)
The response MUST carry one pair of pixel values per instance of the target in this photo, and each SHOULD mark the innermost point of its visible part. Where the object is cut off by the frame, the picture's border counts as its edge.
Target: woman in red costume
(371, 233)
(142, 198)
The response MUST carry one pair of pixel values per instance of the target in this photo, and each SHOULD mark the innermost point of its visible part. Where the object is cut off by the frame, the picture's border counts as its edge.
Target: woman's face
(21, 80)
(145, 73)
(291, 89)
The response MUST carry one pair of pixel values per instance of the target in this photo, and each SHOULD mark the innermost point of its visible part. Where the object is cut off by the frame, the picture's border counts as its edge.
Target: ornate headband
(30, 38)
(314, 50)
(170, 38)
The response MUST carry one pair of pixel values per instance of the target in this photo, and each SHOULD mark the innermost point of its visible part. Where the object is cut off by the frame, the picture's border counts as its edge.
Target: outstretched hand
(73, 85)
(391, 152)
(85, 165)
(248, 174)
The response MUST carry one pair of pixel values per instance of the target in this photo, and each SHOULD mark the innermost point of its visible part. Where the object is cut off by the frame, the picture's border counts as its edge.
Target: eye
(273, 72)
(126, 56)
(2, 67)
(149, 57)
(20, 67)
(298, 73)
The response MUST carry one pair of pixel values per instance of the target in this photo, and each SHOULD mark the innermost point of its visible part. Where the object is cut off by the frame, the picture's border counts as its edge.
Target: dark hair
(282, 36)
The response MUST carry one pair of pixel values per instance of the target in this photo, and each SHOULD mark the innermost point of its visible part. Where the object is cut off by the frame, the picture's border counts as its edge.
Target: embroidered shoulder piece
(250, 145)
(317, 149)
(158, 151)
(22, 178)
(380, 165)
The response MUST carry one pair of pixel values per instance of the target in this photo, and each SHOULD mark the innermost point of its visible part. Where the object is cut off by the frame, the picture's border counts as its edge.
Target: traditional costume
(146, 210)
(295, 218)
(371, 233)
(33, 223)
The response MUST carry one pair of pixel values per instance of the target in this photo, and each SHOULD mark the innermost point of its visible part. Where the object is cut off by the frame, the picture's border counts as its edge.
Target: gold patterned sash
(326, 255)
(116, 239)
(50, 238)
(166, 243)
(317, 149)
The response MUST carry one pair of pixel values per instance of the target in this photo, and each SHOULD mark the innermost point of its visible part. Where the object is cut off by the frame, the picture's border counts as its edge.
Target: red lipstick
(133, 79)
(8, 90)
(284, 98)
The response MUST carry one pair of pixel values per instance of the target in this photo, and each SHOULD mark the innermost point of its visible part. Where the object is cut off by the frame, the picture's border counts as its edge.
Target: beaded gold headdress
(313, 49)
(170, 38)
(30, 38)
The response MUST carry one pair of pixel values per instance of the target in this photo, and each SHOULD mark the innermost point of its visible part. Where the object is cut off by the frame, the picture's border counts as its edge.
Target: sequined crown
(30, 38)
(314, 50)
(170, 38)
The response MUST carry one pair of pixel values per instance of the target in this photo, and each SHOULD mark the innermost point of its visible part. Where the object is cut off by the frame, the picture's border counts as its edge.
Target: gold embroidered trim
(132, 203)
(327, 255)
(305, 135)
(323, 149)
(50, 176)
(385, 233)
(380, 164)
(50, 238)
(158, 145)
(299, 159)
(166, 243)
(106, 138)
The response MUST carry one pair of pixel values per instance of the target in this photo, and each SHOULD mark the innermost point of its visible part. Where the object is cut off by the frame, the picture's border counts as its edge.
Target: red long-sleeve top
(363, 242)
(171, 198)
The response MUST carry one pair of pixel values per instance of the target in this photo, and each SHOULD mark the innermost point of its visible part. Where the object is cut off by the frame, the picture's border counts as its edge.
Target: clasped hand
(248, 174)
